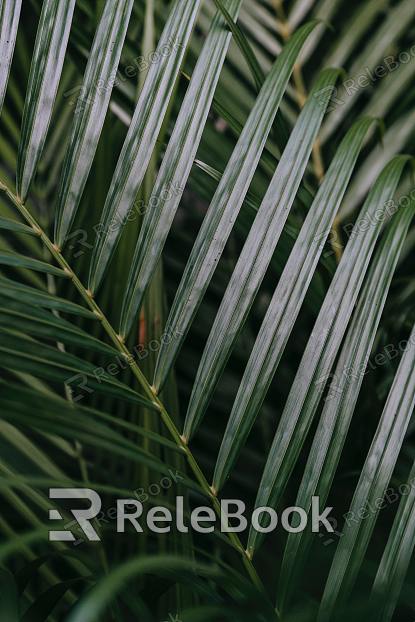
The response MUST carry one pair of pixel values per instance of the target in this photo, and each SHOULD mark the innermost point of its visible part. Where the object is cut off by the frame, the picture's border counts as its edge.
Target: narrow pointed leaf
(17, 227)
(43, 361)
(177, 162)
(226, 204)
(35, 321)
(285, 303)
(9, 22)
(31, 296)
(45, 72)
(343, 394)
(372, 484)
(258, 250)
(325, 340)
(142, 134)
(20, 261)
(397, 556)
(90, 112)
(367, 61)
(243, 44)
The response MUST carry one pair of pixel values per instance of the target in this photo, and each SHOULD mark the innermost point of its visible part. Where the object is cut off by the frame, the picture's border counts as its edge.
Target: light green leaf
(343, 394)
(243, 44)
(45, 72)
(286, 301)
(226, 204)
(9, 22)
(177, 163)
(20, 261)
(397, 555)
(325, 340)
(372, 485)
(142, 134)
(90, 111)
(258, 250)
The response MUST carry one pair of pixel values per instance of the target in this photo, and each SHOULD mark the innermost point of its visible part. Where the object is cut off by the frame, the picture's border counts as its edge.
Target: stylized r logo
(82, 517)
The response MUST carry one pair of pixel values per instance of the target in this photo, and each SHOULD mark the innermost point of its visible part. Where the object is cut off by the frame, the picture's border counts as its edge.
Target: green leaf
(17, 227)
(343, 394)
(20, 261)
(372, 485)
(32, 296)
(370, 57)
(397, 555)
(142, 134)
(90, 111)
(243, 44)
(71, 424)
(25, 445)
(325, 340)
(94, 603)
(225, 206)
(177, 163)
(34, 321)
(28, 398)
(46, 362)
(9, 22)
(45, 72)
(285, 303)
(259, 248)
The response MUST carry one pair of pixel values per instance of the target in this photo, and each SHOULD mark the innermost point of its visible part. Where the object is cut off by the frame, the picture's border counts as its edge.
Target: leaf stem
(142, 380)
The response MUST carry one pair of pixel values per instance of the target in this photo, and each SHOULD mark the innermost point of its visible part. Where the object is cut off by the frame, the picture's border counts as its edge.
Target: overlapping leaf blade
(91, 108)
(17, 227)
(397, 555)
(287, 300)
(226, 203)
(343, 393)
(321, 350)
(367, 62)
(22, 354)
(258, 250)
(20, 261)
(177, 163)
(34, 321)
(372, 484)
(45, 72)
(32, 296)
(142, 134)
